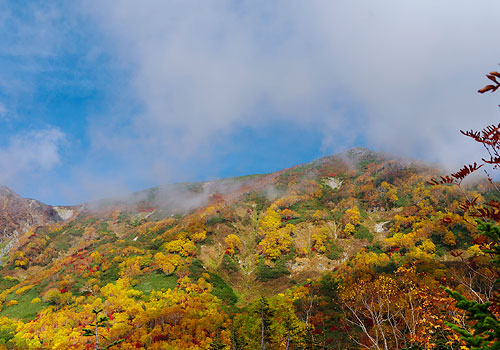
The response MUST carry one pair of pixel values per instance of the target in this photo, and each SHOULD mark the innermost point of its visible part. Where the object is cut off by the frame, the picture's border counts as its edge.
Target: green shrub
(266, 273)
(222, 290)
(333, 252)
(363, 233)
(229, 264)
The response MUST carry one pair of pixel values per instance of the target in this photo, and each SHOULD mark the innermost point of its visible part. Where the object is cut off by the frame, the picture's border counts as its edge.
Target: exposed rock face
(18, 215)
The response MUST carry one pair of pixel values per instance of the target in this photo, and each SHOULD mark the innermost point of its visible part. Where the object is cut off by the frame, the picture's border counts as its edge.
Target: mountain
(193, 265)
(18, 215)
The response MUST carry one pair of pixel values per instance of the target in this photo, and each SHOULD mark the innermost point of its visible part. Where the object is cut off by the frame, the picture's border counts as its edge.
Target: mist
(187, 79)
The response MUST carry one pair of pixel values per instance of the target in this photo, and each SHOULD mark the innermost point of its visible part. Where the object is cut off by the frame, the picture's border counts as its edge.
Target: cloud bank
(401, 75)
(198, 79)
(27, 154)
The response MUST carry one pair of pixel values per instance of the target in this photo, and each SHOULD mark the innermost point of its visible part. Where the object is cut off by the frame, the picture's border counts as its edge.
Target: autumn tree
(484, 316)
(93, 330)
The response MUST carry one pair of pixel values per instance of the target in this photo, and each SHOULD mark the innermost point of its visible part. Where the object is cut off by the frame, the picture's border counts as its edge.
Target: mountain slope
(225, 243)
(17, 214)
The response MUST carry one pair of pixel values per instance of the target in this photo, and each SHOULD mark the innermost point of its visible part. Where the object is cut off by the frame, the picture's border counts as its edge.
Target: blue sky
(100, 98)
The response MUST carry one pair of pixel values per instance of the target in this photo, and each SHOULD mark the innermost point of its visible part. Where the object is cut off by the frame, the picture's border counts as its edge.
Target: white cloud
(29, 153)
(408, 70)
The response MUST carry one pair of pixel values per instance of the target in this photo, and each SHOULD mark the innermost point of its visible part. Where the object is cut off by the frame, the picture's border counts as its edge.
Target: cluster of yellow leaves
(182, 246)
(232, 242)
(417, 249)
(55, 297)
(319, 236)
(276, 240)
(20, 260)
(349, 229)
(209, 211)
(391, 192)
(155, 227)
(353, 215)
(133, 265)
(366, 260)
(24, 289)
(352, 219)
(198, 236)
(168, 262)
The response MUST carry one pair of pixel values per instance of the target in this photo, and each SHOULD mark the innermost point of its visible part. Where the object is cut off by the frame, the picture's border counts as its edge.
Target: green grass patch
(333, 251)
(363, 233)
(222, 290)
(375, 248)
(266, 273)
(4, 243)
(7, 283)
(196, 268)
(259, 199)
(229, 264)
(156, 281)
(24, 310)
(110, 275)
(403, 201)
(75, 232)
(62, 245)
(216, 220)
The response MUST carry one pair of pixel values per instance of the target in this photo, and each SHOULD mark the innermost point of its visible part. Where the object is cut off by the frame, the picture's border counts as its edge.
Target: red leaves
(493, 77)
(444, 180)
(491, 88)
(496, 74)
(466, 170)
(457, 177)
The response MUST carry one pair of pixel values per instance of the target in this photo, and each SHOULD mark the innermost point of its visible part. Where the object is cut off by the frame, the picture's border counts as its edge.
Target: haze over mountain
(101, 99)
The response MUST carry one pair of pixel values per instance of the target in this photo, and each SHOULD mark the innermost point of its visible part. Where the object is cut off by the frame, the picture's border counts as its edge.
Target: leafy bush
(222, 290)
(266, 273)
(229, 264)
(363, 233)
(216, 220)
(333, 252)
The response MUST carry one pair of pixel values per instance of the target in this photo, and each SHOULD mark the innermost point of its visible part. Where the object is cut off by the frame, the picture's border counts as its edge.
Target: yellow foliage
(391, 192)
(12, 302)
(96, 257)
(183, 246)
(365, 259)
(24, 289)
(232, 242)
(449, 238)
(475, 250)
(198, 236)
(349, 229)
(168, 263)
(319, 237)
(270, 221)
(35, 300)
(353, 216)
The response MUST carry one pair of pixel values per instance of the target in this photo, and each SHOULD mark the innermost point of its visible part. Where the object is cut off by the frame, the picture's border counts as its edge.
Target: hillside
(187, 266)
